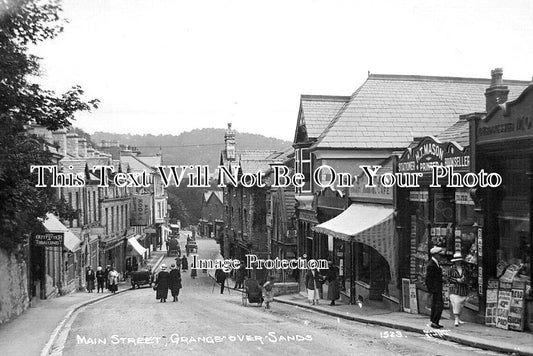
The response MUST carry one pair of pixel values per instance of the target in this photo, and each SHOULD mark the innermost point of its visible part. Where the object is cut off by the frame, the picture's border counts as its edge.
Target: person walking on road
(434, 284)
(162, 284)
(332, 277)
(184, 263)
(268, 293)
(89, 278)
(312, 281)
(220, 277)
(113, 280)
(239, 276)
(458, 287)
(175, 282)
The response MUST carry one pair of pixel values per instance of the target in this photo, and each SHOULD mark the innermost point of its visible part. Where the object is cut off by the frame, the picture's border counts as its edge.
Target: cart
(252, 293)
(191, 247)
(173, 247)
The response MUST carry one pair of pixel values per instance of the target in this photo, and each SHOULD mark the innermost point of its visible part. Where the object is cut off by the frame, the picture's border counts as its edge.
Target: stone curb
(47, 349)
(457, 339)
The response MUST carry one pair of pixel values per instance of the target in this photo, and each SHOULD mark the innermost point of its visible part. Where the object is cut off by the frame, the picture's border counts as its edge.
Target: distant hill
(200, 146)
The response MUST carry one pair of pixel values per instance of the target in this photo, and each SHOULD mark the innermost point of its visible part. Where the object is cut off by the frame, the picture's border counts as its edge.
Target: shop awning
(136, 246)
(354, 221)
(371, 225)
(165, 228)
(70, 241)
(174, 226)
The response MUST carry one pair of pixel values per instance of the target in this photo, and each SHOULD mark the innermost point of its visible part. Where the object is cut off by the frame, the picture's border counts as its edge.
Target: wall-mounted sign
(51, 239)
(515, 121)
(379, 192)
(140, 212)
(431, 152)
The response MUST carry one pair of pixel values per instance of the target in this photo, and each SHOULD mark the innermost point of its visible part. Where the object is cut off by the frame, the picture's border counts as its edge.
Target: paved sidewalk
(476, 335)
(29, 333)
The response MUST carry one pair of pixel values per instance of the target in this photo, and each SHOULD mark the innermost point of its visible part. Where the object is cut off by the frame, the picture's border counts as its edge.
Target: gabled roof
(150, 161)
(458, 132)
(252, 161)
(134, 164)
(316, 112)
(388, 111)
(216, 193)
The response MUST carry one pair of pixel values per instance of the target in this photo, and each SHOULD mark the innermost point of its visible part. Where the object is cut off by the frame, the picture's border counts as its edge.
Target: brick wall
(13, 286)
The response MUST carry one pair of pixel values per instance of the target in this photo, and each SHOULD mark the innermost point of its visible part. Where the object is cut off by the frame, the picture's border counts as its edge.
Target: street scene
(292, 178)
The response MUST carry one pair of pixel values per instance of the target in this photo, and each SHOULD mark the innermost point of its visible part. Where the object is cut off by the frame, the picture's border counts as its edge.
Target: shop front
(436, 214)
(503, 143)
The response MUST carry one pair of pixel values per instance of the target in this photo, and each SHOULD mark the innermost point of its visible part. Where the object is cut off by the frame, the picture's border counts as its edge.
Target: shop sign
(491, 303)
(504, 305)
(409, 296)
(419, 196)
(517, 310)
(463, 198)
(140, 213)
(431, 152)
(51, 239)
(515, 121)
(379, 192)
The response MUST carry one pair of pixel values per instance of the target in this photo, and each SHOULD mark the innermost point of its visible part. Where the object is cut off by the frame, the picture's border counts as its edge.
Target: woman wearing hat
(332, 277)
(458, 286)
(161, 284)
(174, 282)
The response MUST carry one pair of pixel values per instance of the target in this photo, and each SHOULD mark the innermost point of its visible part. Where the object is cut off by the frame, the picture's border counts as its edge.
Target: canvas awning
(136, 246)
(165, 228)
(372, 225)
(70, 241)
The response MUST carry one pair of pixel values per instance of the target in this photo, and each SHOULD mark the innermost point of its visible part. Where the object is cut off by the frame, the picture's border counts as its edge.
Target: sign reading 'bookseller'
(49, 240)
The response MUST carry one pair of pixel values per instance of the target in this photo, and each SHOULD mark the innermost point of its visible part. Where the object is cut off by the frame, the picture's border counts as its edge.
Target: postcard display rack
(505, 306)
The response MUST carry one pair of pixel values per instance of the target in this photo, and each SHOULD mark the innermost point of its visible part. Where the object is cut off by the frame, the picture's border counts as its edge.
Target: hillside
(200, 146)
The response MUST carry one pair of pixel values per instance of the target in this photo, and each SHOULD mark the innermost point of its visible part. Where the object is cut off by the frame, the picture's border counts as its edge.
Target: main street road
(203, 322)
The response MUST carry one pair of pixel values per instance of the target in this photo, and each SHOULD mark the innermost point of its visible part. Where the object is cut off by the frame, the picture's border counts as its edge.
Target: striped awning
(371, 225)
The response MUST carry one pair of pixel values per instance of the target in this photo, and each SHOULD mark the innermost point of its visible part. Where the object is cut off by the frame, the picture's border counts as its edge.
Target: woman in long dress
(162, 284)
(332, 277)
(458, 287)
(312, 281)
(113, 280)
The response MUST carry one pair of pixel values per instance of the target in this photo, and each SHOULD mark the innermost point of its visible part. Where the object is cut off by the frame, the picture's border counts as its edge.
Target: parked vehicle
(191, 247)
(142, 277)
(173, 247)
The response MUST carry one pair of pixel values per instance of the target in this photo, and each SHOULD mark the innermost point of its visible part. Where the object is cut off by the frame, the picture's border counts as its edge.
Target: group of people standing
(458, 286)
(166, 281)
(107, 278)
(314, 281)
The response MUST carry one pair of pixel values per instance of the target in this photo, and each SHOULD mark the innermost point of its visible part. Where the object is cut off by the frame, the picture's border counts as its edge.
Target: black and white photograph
(240, 177)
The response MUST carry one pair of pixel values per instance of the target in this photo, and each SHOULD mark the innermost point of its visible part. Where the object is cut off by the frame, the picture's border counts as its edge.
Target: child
(269, 291)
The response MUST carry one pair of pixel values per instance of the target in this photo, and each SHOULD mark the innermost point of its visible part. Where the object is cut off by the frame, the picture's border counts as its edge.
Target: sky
(169, 66)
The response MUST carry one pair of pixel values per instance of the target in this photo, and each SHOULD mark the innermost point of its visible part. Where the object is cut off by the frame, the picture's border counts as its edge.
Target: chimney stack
(72, 144)
(60, 137)
(229, 141)
(496, 93)
(82, 147)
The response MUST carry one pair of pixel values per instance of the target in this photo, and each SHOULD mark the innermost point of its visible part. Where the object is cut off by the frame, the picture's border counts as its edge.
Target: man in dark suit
(434, 284)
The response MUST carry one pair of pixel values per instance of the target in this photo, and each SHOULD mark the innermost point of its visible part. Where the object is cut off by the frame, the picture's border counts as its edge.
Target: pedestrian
(434, 284)
(240, 273)
(312, 281)
(113, 280)
(106, 274)
(100, 279)
(174, 282)
(268, 293)
(458, 287)
(162, 284)
(332, 277)
(220, 277)
(184, 263)
(89, 278)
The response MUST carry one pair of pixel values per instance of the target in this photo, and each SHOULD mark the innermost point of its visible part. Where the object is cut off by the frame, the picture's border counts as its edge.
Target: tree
(24, 22)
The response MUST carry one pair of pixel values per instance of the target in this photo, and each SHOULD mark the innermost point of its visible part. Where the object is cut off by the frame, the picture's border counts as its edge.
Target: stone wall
(13, 286)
